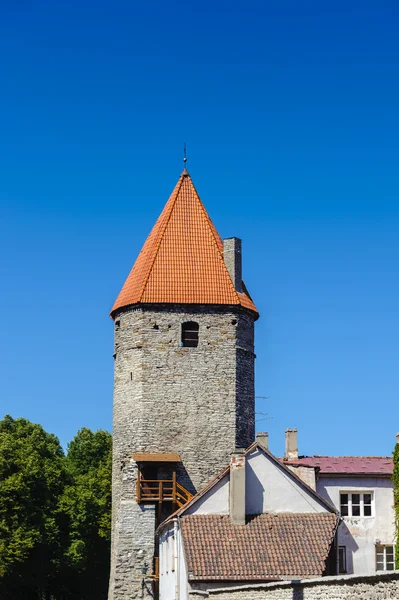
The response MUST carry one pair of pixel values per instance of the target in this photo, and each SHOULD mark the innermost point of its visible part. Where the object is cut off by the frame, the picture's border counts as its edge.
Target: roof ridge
(343, 456)
(162, 233)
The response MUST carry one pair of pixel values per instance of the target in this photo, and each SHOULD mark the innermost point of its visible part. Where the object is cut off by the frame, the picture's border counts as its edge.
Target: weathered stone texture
(198, 402)
(187, 400)
(376, 587)
(133, 537)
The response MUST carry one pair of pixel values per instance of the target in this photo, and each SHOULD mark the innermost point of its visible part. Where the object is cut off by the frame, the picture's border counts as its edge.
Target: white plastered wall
(359, 534)
(167, 564)
(172, 564)
(268, 488)
(183, 580)
(215, 502)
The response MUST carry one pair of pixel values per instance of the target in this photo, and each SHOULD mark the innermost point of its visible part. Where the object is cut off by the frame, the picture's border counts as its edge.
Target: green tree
(395, 478)
(86, 501)
(32, 478)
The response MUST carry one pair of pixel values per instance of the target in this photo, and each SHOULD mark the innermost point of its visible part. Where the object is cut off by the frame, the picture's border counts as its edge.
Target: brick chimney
(232, 260)
(291, 444)
(262, 437)
(237, 487)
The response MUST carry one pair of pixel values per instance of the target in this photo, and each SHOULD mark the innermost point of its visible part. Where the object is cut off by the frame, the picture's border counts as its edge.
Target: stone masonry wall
(198, 402)
(368, 587)
(133, 537)
(245, 382)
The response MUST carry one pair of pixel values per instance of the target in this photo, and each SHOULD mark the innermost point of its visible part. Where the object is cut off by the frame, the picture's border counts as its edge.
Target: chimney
(237, 487)
(291, 444)
(232, 260)
(263, 439)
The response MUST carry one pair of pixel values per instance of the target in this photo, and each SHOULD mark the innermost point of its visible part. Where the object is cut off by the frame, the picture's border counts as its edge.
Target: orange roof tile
(268, 546)
(182, 259)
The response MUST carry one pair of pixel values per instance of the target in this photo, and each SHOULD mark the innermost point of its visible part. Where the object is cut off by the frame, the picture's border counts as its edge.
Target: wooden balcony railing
(158, 491)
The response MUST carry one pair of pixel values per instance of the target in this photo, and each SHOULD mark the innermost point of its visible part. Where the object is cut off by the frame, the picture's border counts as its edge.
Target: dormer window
(189, 334)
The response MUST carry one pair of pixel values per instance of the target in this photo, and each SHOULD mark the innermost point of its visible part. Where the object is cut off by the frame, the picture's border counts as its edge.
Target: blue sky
(290, 113)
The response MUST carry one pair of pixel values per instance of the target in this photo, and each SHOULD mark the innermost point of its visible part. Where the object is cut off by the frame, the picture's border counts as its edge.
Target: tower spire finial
(185, 154)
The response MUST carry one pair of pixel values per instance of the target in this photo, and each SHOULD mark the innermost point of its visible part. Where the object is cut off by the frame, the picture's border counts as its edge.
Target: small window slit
(189, 334)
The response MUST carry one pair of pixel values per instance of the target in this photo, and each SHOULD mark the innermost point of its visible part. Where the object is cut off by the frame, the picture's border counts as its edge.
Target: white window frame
(167, 554)
(173, 552)
(161, 554)
(361, 493)
(384, 547)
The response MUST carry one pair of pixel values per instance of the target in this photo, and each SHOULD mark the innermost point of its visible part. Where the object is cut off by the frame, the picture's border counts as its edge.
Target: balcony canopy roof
(157, 457)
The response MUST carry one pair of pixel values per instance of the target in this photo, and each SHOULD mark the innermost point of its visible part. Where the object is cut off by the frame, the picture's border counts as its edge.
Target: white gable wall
(269, 488)
(215, 502)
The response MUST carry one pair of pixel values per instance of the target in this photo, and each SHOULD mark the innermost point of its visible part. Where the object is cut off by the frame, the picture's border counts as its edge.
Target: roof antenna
(185, 155)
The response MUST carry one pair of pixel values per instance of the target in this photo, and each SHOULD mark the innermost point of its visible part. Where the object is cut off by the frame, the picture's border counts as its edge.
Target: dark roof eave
(242, 578)
(152, 305)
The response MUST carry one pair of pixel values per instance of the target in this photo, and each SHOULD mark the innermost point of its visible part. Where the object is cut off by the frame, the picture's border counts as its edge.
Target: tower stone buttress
(184, 375)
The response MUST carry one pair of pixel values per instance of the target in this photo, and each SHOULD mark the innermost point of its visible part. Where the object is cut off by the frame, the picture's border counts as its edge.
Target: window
(173, 552)
(341, 559)
(384, 558)
(189, 334)
(356, 504)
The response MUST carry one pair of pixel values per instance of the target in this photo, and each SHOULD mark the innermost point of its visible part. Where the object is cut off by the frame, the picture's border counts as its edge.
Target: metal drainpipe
(177, 557)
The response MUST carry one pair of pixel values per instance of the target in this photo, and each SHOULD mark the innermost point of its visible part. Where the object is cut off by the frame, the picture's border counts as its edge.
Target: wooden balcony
(157, 491)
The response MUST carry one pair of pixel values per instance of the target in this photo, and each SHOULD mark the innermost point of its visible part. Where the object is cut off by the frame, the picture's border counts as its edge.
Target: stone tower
(184, 378)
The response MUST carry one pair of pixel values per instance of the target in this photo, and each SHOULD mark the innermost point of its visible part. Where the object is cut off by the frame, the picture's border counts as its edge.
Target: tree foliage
(395, 478)
(87, 503)
(55, 514)
(32, 477)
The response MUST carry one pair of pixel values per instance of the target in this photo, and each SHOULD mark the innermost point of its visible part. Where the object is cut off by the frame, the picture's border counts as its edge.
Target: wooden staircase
(158, 491)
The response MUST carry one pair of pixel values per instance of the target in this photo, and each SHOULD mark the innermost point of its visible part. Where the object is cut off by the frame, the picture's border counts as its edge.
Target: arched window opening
(189, 334)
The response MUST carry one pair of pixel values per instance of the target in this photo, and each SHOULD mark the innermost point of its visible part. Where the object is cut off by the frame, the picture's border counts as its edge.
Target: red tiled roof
(182, 259)
(269, 546)
(356, 465)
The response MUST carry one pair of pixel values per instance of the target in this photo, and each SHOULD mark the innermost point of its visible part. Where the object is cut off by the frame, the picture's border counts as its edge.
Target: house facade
(255, 522)
(361, 489)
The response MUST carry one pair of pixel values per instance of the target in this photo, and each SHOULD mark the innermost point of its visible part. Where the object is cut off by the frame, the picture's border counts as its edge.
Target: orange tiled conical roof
(182, 259)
